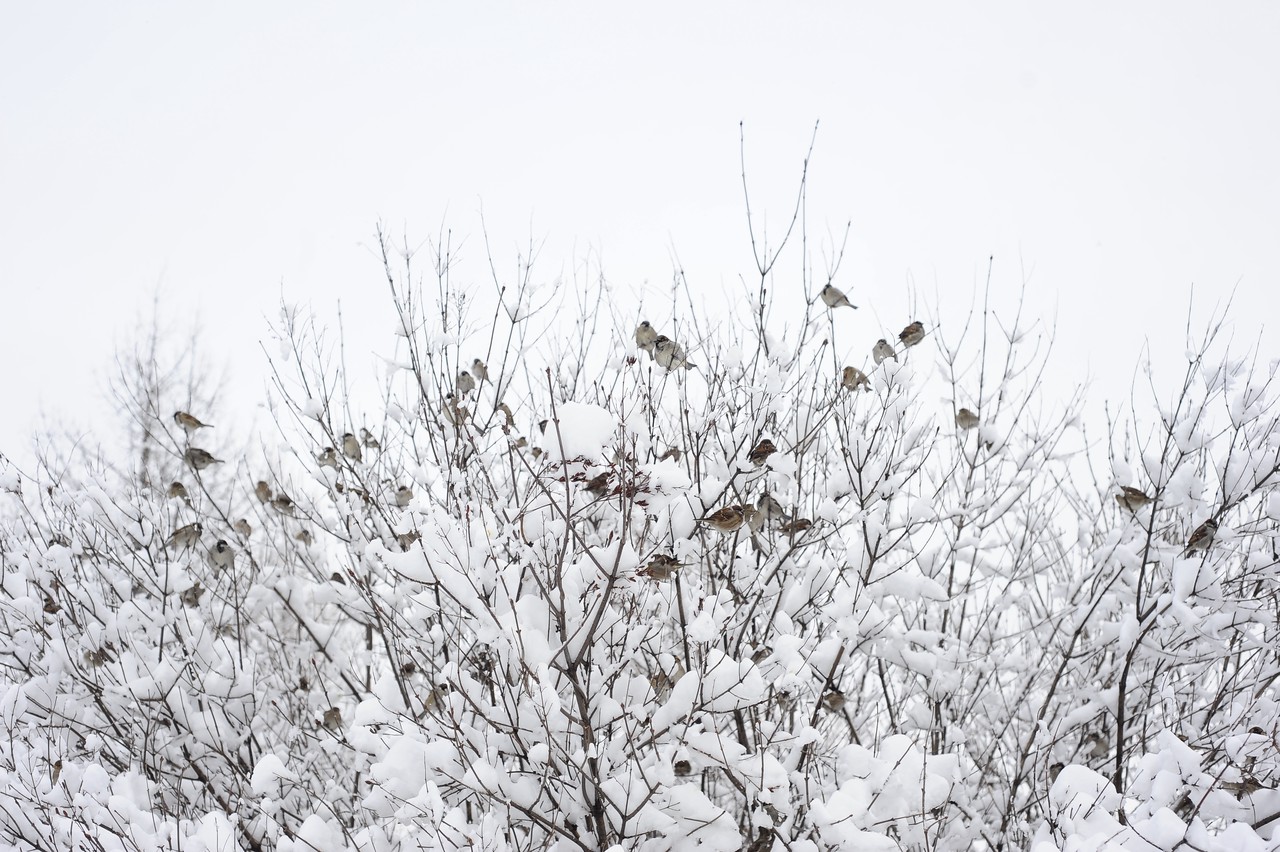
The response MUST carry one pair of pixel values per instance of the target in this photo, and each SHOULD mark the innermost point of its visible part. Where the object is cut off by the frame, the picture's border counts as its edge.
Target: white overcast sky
(1113, 154)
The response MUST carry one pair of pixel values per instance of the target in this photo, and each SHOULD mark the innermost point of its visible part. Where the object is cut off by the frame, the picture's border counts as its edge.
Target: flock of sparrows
(1132, 499)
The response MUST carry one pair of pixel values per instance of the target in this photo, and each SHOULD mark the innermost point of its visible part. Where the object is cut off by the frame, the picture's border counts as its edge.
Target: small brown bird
(305, 537)
(282, 504)
(242, 528)
(725, 520)
(1132, 498)
(453, 412)
(328, 457)
(332, 719)
(669, 354)
(833, 700)
(191, 597)
(912, 334)
(1202, 537)
(660, 567)
(599, 484)
(366, 438)
(178, 491)
(966, 419)
(682, 768)
(853, 379)
(761, 452)
(480, 371)
(262, 491)
(200, 459)
(672, 453)
(185, 537)
(882, 351)
(799, 525)
(833, 298)
(222, 555)
(351, 447)
(466, 383)
(404, 496)
(646, 336)
(188, 422)
(770, 510)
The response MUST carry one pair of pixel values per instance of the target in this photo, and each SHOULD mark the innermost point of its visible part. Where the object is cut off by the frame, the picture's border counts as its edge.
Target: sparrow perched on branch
(669, 354)
(282, 504)
(646, 336)
(882, 351)
(179, 491)
(453, 412)
(912, 334)
(466, 384)
(770, 510)
(200, 459)
(851, 378)
(189, 422)
(966, 419)
(761, 452)
(222, 555)
(799, 525)
(726, 520)
(480, 370)
(366, 438)
(1202, 537)
(262, 491)
(833, 298)
(404, 496)
(660, 567)
(1132, 498)
(599, 484)
(242, 528)
(351, 447)
(185, 537)
(328, 457)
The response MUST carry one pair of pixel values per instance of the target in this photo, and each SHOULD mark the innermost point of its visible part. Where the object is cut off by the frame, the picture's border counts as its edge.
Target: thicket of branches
(493, 618)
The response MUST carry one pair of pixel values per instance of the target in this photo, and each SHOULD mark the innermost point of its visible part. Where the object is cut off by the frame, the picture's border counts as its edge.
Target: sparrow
(222, 555)
(852, 378)
(305, 537)
(833, 701)
(912, 334)
(404, 496)
(660, 567)
(672, 453)
(188, 422)
(332, 719)
(726, 520)
(242, 528)
(771, 510)
(833, 298)
(1132, 498)
(366, 438)
(178, 490)
(799, 525)
(328, 458)
(761, 452)
(351, 447)
(480, 370)
(966, 419)
(454, 413)
(466, 384)
(262, 491)
(282, 504)
(882, 351)
(646, 336)
(599, 484)
(200, 459)
(507, 415)
(1202, 537)
(185, 537)
(191, 597)
(682, 768)
(669, 354)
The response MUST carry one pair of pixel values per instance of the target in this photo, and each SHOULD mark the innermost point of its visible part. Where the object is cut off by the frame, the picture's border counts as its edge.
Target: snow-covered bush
(493, 617)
